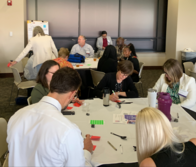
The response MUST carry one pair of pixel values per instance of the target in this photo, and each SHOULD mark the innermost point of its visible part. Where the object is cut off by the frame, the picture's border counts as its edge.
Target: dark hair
(126, 67)
(103, 32)
(132, 49)
(65, 80)
(41, 76)
(110, 52)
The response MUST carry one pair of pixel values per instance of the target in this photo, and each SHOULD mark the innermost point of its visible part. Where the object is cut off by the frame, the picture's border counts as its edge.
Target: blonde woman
(157, 145)
(63, 57)
(181, 87)
(43, 49)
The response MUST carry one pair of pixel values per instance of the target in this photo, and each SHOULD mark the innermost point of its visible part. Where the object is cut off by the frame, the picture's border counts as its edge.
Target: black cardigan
(109, 80)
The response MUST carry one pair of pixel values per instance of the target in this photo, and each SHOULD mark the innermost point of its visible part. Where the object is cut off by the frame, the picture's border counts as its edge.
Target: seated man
(82, 48)
(119, 83)
(39, 135)
(120, 45)
(102, 42)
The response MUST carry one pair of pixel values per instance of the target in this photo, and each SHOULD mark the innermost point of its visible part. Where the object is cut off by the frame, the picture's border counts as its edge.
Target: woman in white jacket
(181, 87)
(43, 49)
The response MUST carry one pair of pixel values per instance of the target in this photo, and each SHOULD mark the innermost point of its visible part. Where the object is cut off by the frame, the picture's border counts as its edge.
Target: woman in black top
(157, 145)
(108, 62)
(129, 54)
(120, 82)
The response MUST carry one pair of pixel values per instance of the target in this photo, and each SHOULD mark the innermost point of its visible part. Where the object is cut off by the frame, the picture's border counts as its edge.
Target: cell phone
(64, 112)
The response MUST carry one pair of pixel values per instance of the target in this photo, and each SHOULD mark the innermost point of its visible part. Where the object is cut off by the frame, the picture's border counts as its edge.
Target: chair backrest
(141, 64)
(17, 78)
(192, 74)
(29, 101)
(5, 163)
(3, 136)
(187, 65)
(97, 76)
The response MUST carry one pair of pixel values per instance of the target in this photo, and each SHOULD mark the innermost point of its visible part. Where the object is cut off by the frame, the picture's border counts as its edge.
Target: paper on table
(124, 118)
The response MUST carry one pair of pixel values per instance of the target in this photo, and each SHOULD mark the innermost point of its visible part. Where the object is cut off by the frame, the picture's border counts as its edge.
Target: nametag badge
(183, 93)
(87, 52)
(108, 40)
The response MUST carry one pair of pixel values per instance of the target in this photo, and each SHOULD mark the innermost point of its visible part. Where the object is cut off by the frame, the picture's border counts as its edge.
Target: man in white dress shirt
(82, 48)
(39, 135)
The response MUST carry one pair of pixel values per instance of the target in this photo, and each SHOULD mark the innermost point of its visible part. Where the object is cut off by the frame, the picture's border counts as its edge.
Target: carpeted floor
(149, 77)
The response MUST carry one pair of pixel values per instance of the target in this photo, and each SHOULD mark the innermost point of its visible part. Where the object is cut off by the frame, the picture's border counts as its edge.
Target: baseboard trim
(8, 75)
(153, 67)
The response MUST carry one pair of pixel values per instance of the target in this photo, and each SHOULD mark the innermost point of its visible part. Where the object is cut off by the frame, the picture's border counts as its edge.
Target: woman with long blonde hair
(181, 87)
(157, 145)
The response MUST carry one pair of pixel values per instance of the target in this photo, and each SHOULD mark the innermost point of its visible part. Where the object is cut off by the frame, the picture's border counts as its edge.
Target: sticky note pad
(69, 108)
(95, 137)
(94, 147)
(77, 104)
(88, 64)
(97, 122)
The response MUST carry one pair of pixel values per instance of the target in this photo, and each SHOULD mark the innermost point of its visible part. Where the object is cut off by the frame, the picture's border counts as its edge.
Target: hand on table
(114, 97)
(77, 101)
(88, 145)
(13, 63)
(103, 48)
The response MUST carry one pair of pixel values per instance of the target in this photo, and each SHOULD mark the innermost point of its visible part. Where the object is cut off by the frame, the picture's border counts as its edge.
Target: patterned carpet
(149, 77)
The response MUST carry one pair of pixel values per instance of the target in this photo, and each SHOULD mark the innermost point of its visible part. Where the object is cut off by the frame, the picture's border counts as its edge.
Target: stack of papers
(124, 118)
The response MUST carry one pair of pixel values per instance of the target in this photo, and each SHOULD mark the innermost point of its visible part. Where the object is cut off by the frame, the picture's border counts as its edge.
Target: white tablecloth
(89, 63)
(104, 153)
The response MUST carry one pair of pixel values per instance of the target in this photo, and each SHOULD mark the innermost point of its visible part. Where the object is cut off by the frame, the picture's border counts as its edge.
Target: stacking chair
(187, 65)
(192, 74)
(18, 82)
(97, 77)
(3, 136)
(141, 64)
(29, 101)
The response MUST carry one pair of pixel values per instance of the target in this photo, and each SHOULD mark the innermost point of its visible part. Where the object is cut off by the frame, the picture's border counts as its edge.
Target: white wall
(181, 27)
(11, 19)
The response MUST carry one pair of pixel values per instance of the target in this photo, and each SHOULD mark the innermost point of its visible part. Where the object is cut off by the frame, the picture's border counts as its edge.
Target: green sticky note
(88, 64)
(97, 122)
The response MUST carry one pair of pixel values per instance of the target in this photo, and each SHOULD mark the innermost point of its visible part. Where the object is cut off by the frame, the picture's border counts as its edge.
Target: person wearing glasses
(40, 135)
(43, 80)
(181, 87)
(158, 145)
(119, 83)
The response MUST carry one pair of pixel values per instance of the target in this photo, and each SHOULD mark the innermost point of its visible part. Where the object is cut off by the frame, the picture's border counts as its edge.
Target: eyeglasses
(124, 75)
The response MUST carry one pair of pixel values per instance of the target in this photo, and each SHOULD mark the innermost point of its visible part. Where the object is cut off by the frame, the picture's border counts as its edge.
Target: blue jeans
(37, 68)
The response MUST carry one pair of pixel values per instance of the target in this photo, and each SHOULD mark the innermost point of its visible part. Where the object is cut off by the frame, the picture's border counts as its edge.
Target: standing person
(103, 41)
(181, 87)
(157, 145)
(108, 62)
(43, 49)
(129, 54)
(120, 45)
(119, 82)
(63, 57)
(39, 134)
(82, 47)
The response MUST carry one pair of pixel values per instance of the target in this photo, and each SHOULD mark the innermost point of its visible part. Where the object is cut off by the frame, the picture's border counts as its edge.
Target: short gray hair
(83, 37)
(38, 30)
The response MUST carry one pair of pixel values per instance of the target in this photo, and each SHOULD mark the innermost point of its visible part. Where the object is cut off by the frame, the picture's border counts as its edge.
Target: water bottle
(164, 103)
(106, 96)
(152, 97)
